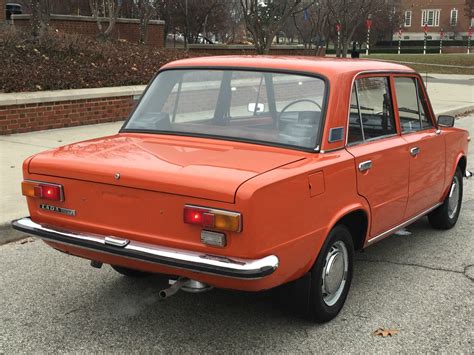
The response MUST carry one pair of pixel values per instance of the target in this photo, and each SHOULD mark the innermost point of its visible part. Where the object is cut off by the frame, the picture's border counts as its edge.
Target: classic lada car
(251, 173)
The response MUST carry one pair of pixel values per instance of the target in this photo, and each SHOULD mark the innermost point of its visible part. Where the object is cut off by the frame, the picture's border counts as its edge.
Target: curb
(8, 234)
(457, 111)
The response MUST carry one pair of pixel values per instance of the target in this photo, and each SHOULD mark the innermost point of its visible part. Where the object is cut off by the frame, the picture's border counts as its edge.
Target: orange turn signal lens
(213, 218)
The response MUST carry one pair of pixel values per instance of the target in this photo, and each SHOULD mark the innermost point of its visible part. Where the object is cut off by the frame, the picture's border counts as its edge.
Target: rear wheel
(130, 272)
(331, 275)
(446, 215)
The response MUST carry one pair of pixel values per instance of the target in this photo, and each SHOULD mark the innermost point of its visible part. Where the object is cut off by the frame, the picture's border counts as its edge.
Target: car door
(379, 151)
(426, 146)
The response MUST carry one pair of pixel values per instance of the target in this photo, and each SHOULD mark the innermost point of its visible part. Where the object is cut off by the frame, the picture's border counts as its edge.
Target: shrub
(64, 61)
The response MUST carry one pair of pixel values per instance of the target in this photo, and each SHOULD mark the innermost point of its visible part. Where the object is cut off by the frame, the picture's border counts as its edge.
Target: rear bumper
(182, 259)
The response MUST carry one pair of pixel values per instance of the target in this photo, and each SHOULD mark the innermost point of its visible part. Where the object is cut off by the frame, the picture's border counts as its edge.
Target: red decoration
(426, 28)
(338, 27)
(368, 23)
(441, 34)
(469, 32)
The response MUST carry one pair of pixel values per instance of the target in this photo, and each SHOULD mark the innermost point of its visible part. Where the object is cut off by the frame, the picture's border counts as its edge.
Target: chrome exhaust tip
(175, 287)
(184, 284)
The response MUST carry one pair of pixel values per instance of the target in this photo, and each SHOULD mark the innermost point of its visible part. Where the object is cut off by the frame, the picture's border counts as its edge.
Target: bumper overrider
(182, 259)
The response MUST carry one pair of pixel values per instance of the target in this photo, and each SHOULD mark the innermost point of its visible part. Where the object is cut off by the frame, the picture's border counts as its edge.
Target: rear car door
(380, 153)
(426, 146)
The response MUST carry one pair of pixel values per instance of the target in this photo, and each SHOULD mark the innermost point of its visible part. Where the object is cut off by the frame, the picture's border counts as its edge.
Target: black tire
(320, 310)
(130, 272)
(444, 217)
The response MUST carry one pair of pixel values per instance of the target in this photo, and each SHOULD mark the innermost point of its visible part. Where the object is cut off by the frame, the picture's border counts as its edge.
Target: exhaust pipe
(170, 291)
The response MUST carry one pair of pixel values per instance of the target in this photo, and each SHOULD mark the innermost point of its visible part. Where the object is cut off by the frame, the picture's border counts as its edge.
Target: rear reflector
(42, 190)
(213, 218)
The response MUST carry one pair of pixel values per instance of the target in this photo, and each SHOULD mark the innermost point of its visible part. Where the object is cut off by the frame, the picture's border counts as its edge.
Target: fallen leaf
(382, 332)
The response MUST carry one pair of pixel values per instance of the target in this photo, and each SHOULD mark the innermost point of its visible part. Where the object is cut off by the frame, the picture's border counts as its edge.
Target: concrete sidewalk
(446, 98)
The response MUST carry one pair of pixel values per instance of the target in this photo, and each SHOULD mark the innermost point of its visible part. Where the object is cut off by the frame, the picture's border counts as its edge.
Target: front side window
(373, 106)
(411, 106)
(266, 107)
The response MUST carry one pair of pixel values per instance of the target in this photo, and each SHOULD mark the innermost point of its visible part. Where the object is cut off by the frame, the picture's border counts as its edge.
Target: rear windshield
(273, 108)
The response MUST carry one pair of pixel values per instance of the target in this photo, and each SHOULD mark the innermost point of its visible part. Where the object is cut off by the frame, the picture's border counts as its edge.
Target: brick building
(2, 12)
(451, 16)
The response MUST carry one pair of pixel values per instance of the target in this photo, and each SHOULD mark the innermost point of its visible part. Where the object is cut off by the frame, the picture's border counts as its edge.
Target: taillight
(213, 218)
(46, 191)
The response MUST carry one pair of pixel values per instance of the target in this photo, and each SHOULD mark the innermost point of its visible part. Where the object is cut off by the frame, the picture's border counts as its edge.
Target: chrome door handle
(414, 151)
(365, 165)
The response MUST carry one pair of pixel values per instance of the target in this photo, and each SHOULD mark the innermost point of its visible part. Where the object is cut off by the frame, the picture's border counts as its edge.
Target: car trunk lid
(202, 168)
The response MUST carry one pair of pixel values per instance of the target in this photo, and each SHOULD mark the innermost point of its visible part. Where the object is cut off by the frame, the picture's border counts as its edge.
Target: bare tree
(311, 25)
(40, 12)
(264, 19)
(146, 10)
(105, 9)
(352, 14)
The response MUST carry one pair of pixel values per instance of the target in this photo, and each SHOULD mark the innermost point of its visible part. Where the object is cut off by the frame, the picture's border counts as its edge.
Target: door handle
(365, 165)
(414, 151)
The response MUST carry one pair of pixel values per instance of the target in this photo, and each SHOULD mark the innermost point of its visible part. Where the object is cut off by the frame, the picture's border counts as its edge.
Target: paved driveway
(421, 283)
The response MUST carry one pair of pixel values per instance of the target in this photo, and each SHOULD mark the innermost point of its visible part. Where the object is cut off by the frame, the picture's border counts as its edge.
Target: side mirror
(446, 121)
(259, 107)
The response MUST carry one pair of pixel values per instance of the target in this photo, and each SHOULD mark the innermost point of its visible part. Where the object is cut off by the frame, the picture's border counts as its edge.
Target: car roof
(326, 66)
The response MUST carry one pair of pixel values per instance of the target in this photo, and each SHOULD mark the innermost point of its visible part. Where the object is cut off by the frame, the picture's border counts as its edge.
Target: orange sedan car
(253, 172)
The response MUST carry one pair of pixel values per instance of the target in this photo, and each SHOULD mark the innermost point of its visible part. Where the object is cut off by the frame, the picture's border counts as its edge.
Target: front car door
(426, 146)
(380, 152)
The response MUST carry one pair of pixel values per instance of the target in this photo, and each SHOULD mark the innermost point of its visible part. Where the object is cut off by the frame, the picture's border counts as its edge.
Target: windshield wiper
(406, 109)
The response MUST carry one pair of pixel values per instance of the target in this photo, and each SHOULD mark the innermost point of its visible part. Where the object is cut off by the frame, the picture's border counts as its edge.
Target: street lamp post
(426, 37)
(400, 31)
(368, 24)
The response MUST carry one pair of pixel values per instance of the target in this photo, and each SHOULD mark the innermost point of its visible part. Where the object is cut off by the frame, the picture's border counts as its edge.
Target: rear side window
(371, 111)
(411, 106)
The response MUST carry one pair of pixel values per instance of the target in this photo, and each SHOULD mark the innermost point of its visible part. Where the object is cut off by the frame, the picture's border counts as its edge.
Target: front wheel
(446, 215)
(331, 275)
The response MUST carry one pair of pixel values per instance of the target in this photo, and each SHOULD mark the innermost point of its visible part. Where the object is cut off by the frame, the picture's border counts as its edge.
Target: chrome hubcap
(335, 273)
(453, 198)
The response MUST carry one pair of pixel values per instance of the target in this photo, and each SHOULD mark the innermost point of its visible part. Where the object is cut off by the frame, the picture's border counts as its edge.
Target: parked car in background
(12, 9)
(254, 173)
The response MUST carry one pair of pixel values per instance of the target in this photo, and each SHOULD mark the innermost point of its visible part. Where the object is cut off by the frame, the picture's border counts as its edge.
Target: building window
(472, 22)
(453, 18)
(407, 18)
(430, 18)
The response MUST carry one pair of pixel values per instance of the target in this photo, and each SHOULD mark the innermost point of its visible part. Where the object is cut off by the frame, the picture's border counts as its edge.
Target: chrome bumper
(175, 258)
(467, 174)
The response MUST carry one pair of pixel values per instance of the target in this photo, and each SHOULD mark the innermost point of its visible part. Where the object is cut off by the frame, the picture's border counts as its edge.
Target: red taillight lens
(213, 218)
(45, 191)
(50, 192)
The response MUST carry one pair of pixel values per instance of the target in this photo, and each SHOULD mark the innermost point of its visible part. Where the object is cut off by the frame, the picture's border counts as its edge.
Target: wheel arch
(356, 219)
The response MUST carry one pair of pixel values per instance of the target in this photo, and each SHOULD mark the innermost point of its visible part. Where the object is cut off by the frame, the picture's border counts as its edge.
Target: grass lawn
(423, 61)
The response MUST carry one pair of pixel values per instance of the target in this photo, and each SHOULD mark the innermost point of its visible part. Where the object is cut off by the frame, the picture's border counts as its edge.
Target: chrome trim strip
(404, 224)
(176, 258)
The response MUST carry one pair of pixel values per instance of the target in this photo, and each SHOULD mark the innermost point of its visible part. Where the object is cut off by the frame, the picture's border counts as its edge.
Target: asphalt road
(420, 283)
